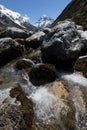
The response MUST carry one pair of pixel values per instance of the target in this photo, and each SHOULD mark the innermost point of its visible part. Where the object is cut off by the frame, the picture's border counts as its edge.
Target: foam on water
(74, 78)
(43, 101)
(4, 94)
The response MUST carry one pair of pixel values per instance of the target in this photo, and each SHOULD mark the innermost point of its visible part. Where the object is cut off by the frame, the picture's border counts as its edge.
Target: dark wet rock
(14, 32)
(34, 55)
(21, 41)
(35, 40)
(81, 65)
(9, 50)
(24, 64)
(63, 45)
(16, 113)
(42, 74)
(46, 30)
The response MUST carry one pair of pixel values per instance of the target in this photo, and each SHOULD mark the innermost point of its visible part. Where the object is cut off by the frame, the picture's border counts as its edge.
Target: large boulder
(63, 45)
(16, 111)
(9, 50)
(41, 74)
(35, 40)
(14, 32)
(81, 65)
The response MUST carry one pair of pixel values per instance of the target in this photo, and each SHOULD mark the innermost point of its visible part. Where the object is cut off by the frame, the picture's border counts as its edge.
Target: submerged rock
(35, 40)
(42, 74)
(63, 45)
(9, 50)
(16, 112)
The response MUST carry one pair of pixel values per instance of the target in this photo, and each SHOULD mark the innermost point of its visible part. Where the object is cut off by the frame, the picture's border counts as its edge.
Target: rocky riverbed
(43, 78)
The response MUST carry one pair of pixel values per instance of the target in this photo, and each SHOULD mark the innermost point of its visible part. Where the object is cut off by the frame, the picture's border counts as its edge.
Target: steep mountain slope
(77, 11)
(43, 22)
(10, 18)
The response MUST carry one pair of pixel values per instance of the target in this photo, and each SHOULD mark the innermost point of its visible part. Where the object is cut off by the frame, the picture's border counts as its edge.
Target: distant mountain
(77, 11)
(9, 18)
(43, 22)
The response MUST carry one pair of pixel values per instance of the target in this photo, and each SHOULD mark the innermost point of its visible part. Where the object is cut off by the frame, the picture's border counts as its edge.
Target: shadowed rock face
(16, 112)
(42, 74)
(81, 65)
(63, 45)
(76, 11)
(9, 50)
(35, 40)
(14, 32)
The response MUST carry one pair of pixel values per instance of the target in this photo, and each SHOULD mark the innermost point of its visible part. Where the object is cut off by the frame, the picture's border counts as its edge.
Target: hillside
(77, 11)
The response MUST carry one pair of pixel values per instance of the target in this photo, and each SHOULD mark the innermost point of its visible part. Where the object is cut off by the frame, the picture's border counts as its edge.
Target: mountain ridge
(75, 10)
(10, 18)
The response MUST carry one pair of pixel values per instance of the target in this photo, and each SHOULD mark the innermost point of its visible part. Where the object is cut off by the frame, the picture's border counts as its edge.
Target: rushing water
(73, 78)
(47, 106)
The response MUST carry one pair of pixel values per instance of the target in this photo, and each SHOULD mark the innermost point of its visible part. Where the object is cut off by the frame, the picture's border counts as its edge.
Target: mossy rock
(42, 74)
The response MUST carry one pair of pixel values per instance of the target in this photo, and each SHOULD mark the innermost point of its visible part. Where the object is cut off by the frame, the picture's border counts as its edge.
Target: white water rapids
(73, 78)
(44, 100)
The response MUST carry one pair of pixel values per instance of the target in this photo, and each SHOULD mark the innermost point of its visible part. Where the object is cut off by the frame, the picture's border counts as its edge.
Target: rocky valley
(43, 74)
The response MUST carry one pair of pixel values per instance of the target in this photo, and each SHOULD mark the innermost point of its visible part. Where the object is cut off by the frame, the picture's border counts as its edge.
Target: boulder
(63, 45)
(24, 64)
(9, 50)
(21, 41)
(81, 65)
(42, 74)
(16, 111)
(35, 40)
(46, 30)
(14, 32)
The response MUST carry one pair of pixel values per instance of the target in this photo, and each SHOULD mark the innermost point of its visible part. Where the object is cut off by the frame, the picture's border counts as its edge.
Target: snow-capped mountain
(10, 18)
(43, 22)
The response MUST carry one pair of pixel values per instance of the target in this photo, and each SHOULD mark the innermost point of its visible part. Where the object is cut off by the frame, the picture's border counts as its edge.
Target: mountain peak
(44, 21)
(44, 16)
(11, 18)
(12, 14)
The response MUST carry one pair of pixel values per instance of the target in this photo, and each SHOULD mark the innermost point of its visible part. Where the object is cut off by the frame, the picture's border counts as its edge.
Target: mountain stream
(51, 109)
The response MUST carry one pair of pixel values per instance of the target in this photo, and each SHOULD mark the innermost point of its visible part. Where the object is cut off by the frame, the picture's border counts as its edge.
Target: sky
(34, 9)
